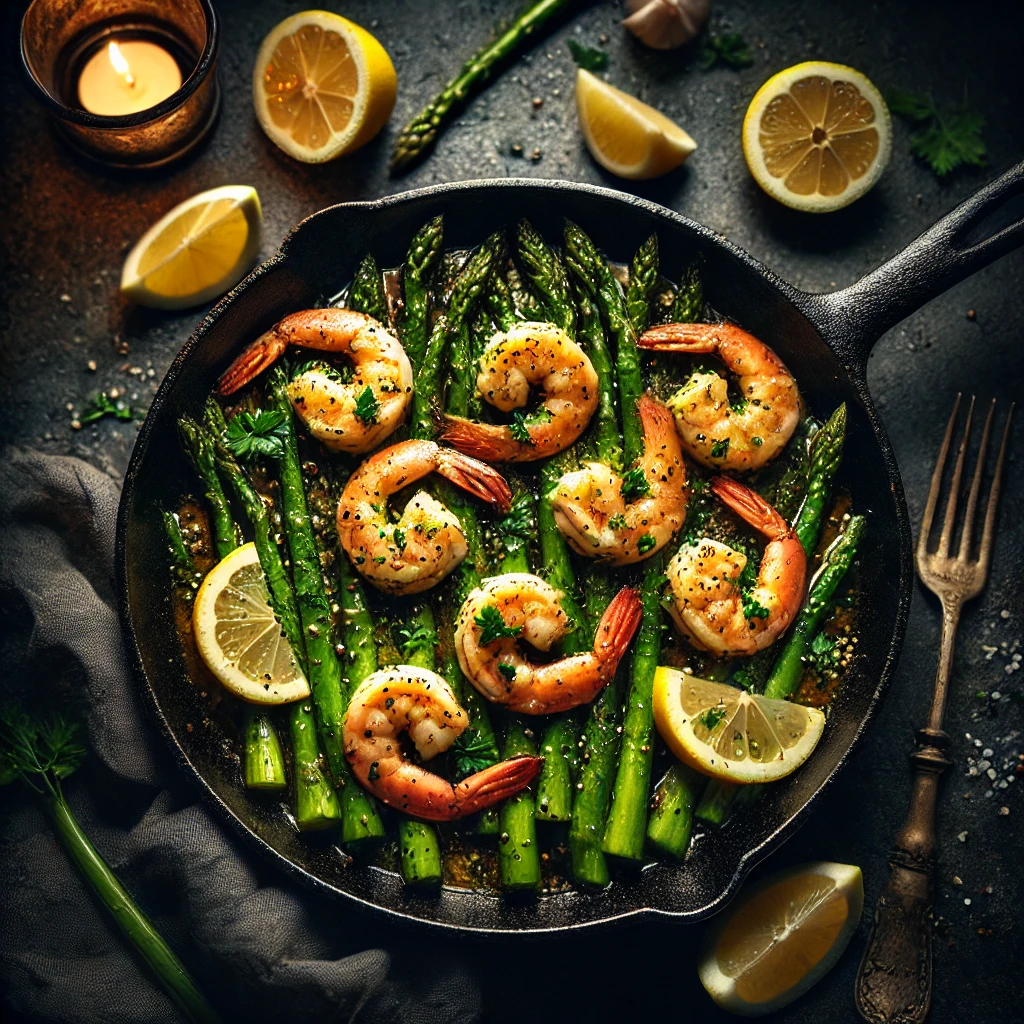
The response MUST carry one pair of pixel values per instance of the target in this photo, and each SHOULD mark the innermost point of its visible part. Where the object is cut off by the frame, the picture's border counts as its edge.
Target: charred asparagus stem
(547, 274)
(419, 136)
(688, 307)
(416, 274)
(367, 292)
(360, 818)
(316, 803)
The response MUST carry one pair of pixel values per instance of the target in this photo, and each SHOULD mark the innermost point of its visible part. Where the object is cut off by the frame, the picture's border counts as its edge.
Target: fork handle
(894, 983)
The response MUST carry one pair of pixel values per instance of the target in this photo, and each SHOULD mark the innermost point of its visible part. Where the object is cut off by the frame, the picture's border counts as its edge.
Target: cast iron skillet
(824, 339)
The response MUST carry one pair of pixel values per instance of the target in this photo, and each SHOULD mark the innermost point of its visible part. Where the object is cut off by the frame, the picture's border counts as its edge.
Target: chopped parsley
(518, 428)
(492, 625)
(729, 48)
(416, 638)
(508, 671)
(719, 449)
(753, 609)
(646, 543)
(100, 405)
(711, 717)
(399, 538)
(823, 653)
(617, 521)
(473, 753)
(518, 521)
(739, 405)
(367, 406)
(634, 484)
(587, 57)
(260, 433)
(756, 441)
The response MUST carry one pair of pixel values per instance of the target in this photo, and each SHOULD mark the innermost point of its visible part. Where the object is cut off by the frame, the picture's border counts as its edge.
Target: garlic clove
(666, 24)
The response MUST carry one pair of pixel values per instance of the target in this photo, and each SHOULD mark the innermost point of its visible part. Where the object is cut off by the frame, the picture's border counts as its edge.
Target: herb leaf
(417, 638)
(492, 625)
(367, 406)
(27, 748)
(753, 609)
(507, 671)
(519, 429)
(646, 543)
(719, 449)
(259, 433)
(729, 48)
(100, 405)
(617, 521)
(711, 717)
(473, 753)
(518, 521)
(587, 57)
(634, 484)
(943, 141)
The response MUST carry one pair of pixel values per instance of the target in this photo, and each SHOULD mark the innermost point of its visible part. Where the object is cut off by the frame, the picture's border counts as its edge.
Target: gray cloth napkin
(258, 947)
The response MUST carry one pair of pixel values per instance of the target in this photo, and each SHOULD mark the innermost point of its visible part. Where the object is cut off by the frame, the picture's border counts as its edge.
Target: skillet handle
(949, 251)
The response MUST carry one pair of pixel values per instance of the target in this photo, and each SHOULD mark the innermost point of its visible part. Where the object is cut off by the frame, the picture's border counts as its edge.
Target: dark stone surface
(67, 227)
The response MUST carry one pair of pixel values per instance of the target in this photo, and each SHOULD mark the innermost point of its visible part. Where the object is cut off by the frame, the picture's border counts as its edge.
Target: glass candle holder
(65, 46)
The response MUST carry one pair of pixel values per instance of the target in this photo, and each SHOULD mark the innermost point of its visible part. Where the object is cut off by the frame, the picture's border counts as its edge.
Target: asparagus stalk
(263, 760)
(518, 855)
(360, 818)
(826, 453)
(41, 756)
(643, 276)
(316, 803)
(424, 251)
(547, 273)
(420, 134)
(789, 668)
(607, 441)
(199, 446)
(671, 821)
(627, 820)
(181, 560)
(367, 292)
(688, 307)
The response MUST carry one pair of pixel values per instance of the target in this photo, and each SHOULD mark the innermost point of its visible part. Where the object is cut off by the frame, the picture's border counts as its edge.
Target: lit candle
(127, 77)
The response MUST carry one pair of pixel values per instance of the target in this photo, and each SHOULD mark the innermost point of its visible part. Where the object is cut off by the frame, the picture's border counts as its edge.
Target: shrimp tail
(700, 338)
(487, 441)
(496, 783)
(618, 626)
(476, 477)
(656, 420)
(750, 507)
(263, 352)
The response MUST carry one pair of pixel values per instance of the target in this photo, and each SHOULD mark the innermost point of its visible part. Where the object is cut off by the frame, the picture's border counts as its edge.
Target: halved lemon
(322, 86)
(238, 636)
(728, 733)
(625, 136)
(784, 935)
(197, 251)
(817, 136)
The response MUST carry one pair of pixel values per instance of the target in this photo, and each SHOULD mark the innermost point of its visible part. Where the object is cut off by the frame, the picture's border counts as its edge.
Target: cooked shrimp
(419, 702)
(427, 542)
(595, 516)
(519, 606)
(706, 602)
(538, 355)
(728, 435)
(350, 416)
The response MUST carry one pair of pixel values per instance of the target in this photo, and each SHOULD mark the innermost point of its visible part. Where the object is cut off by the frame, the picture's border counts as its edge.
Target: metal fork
(894, 983)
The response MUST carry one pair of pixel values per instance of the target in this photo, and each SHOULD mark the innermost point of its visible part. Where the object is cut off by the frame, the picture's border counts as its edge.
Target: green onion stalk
(42, 756)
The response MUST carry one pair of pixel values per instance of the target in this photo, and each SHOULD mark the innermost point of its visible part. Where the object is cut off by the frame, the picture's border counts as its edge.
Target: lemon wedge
(322, 86)
(817, 136)
(625, 136)
(730, 734)
(238, 636)
(785, 935)
(196, 252)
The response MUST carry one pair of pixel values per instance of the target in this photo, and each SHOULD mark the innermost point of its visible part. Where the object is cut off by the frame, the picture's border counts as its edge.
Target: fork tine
(972, 501)
(933, 493)
(954, 491)
(985, 552)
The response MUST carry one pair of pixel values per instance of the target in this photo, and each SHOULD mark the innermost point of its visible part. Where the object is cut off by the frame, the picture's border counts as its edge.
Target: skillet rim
(807, 305)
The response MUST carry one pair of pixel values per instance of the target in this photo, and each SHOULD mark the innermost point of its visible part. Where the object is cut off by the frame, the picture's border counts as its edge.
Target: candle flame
(120, 64)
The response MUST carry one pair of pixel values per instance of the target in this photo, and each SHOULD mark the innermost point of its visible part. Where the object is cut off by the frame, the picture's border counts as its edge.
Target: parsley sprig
(367, 406)
(711, 717)
(473, 753)
(944, 141)
(492, 625)
(262, 432)
(417, 638)
(634, 484)
(100, 405)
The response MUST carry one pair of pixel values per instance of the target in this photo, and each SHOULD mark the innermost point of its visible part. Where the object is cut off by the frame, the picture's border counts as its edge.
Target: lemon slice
(196, 252)
(625, 136)
(730, 734)
(817, 136)
(784, 936)
(238, 636)
(322, 86)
